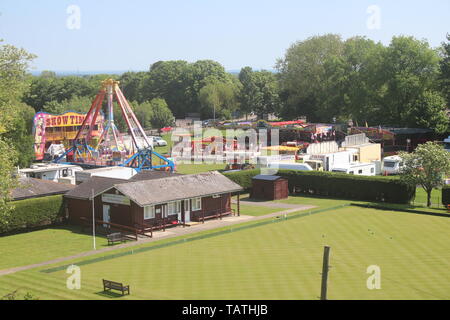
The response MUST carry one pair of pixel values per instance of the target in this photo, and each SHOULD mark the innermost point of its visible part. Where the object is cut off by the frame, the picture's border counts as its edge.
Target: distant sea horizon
(112, 72)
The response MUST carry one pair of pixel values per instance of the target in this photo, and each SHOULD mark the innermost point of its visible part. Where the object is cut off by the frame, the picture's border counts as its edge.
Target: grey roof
(151, 175)
(266, 177)
(101, 184)
(181, 187)
(98, 184)
(32, 188)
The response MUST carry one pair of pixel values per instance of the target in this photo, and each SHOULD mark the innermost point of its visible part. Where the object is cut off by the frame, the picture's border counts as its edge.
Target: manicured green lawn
(250, 210)
(421, 198)
(198, 168)
(275, 261)
(38, 246)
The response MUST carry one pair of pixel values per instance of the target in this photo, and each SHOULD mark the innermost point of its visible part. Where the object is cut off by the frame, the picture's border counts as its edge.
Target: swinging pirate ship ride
(110, 148)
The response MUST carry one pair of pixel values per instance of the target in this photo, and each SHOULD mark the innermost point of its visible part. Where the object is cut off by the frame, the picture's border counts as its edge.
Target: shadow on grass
(109, 294)
(397, 206)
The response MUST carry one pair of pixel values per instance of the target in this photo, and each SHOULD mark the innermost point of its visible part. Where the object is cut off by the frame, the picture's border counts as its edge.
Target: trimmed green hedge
(337, 185)
(33, 213)
(243, 178)
(446, 195)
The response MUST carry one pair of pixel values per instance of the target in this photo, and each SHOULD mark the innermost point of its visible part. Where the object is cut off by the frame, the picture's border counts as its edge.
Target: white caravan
(447, 144)
(290, 166)
(360, 169)
(51, 171)
(392, 165)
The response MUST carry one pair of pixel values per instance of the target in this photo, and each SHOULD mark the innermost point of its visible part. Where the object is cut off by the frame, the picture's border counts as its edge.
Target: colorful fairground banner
(51, 129)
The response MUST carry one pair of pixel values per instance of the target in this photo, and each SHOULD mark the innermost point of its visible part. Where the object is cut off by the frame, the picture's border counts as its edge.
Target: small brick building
(268, 187)
(153, 199)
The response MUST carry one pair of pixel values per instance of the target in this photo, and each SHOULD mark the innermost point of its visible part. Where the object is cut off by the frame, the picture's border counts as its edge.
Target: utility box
(268, 187)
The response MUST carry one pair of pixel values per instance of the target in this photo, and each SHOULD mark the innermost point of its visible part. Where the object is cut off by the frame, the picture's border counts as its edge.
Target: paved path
(158, 235)
(269, 204)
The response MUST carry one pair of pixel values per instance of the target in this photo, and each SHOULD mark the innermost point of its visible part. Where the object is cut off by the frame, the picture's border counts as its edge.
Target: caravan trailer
(360, 169)
(290, 166)
(392, 165)
(52, 172)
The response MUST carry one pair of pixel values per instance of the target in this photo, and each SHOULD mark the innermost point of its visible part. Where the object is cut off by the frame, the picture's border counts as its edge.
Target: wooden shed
(268, 187)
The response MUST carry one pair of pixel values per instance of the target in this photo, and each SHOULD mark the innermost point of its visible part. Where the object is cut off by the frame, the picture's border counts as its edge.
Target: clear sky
(132, 34)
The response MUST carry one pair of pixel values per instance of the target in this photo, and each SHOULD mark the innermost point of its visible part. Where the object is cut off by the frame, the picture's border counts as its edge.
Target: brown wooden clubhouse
(152, 199)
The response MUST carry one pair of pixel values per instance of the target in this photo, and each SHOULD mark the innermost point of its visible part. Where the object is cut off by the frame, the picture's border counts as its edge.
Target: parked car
(159, 142)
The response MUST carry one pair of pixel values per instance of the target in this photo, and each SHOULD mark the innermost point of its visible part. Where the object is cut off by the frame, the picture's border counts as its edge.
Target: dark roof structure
(34, 188)
(98, 185)
(150, 192)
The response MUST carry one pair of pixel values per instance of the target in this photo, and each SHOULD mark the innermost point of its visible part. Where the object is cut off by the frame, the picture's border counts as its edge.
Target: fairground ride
(110, 148)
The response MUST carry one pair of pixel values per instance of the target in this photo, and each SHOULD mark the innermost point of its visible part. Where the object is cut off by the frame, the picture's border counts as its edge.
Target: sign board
(115, 198)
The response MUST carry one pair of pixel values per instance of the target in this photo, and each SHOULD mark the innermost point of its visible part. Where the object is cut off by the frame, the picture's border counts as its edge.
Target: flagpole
(93, 219)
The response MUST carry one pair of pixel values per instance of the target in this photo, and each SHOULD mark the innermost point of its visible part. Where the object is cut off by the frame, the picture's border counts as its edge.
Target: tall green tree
(166, 80)
(445, 69)
(427, 166)
(130, 83)
(218, 100)
(75, 103)
(410, 69)
(14, 63)
(304, 79)
(161, 114)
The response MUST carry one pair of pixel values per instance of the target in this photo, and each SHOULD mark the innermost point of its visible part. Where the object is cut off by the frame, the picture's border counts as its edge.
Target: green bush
(243, 178)
(338, 185)
(446, 195)
(33, 213)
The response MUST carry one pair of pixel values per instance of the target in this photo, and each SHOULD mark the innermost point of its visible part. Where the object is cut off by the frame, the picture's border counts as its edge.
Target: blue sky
(131, 35)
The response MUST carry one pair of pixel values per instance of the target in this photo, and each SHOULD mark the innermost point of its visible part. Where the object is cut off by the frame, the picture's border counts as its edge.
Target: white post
(93, 218)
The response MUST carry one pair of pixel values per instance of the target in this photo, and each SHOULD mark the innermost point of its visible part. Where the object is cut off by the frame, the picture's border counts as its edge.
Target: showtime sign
(68, 119)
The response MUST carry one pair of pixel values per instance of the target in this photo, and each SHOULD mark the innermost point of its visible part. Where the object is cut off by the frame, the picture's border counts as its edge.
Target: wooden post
(238, 205)
(325, 268)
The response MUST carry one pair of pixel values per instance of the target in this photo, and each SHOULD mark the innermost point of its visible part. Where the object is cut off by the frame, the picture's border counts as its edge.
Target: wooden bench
(110, 285)
(115, 237)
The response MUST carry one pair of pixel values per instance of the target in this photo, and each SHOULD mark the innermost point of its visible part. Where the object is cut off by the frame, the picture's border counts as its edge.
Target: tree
(144, 113)
(130, 83)
(46, 89)
(165, 80)
(218, 100)
(14, 63)
(19, 137)
(161, 114)
(445, 70)
(303, 78)
(410, 68)
(427, 166)
(76, 103)
(260, 92)
(249, 91)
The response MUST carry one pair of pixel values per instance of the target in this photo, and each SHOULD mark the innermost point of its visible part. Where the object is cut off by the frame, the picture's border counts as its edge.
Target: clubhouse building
(152, 199)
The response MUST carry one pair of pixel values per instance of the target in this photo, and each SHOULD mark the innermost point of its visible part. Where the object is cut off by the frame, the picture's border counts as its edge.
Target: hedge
(446, 195)
(34, 213)
(338, 185)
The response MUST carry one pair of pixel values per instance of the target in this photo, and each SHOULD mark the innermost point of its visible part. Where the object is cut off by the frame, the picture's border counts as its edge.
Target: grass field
(47, 244)
(250, 210)
(275, 261)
